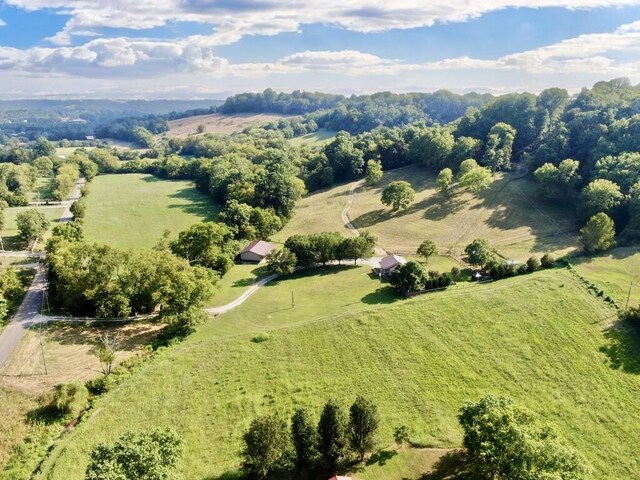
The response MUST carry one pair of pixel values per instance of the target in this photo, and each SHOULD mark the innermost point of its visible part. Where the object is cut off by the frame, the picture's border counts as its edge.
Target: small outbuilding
(256, 251)
(389, 264)
(338, 477)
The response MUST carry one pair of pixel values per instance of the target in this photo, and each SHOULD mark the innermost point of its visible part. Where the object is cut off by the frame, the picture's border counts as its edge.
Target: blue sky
(210, 48)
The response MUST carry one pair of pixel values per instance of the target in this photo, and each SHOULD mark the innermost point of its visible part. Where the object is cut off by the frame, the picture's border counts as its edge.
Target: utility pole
(293, 303)
(626, 307)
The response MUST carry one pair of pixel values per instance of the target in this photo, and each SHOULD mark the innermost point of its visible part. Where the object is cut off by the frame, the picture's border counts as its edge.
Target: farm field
(548, 344)
(317, 138)
(614, 272)
(218, 123)
(10, 231)
(505, 214)
(134, 210)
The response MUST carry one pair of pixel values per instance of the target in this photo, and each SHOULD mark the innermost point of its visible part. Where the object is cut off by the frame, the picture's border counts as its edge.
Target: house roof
(337, 477)
(391, 261)
(259, 247)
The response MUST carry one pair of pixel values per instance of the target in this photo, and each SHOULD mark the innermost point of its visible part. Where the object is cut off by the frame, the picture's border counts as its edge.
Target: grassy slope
(134, 210)
(614, 272)
(505, 214)
(320, 137)
(544, 344)
(10, 230)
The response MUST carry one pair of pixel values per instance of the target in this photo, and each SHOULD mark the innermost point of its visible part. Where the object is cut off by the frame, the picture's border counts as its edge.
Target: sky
(212, 48)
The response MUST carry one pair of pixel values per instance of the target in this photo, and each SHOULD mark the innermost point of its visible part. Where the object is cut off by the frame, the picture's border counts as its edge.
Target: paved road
(67, 216)
(26, 316)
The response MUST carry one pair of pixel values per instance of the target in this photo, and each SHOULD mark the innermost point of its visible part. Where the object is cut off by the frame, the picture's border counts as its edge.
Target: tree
(78, 209)
(466, 166)
(374, 172)
(444, 180)
(304, 439)
(152, 455)
(363, 425)
(479, 252)
(432, 147)
(332, 434)
(32, 225)
(397, 195)
(476, 179)
(107, 347)
(266, 447)
(44, 166)
(598, 234)
(281, 262)
(208, 244)
(200, 128)
(408, 278)
(600, 196)
(497, 154)
(504, 442)
(358, 247)
(427, 249)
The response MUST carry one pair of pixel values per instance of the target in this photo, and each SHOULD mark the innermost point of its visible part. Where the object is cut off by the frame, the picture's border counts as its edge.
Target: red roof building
(256, 251)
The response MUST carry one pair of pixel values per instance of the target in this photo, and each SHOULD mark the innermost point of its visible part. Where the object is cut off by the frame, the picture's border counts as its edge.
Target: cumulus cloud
(232, 19)
(2, 23)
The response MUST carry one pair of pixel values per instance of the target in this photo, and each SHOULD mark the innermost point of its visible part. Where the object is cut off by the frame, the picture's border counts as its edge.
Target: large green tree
(374, 172)
(427, 249)
(152, 455)
(505, 442)
(598, 234)
(479, 252)
(363, 425)
(304, 438)
(410, 277)
(432, 147)
(444, 180)
(266, 448)
(332, 434)
(600, 196)
(32, 225)
(397, 195)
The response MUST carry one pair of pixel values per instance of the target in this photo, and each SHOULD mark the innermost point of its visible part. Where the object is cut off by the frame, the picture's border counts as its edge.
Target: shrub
(522, 269)
(455, 272)
(533, 264)
(548, 261)
(261, 337)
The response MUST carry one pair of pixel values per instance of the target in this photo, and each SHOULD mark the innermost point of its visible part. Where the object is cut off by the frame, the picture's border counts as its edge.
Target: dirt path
(378, 251)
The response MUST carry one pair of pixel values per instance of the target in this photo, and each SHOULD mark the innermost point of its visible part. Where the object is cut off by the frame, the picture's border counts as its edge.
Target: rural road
(242, 298)
(28, 313)
(26, 316)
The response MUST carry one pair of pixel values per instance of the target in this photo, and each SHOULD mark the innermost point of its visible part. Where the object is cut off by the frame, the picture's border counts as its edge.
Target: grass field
(546, 344)
(43, 190)
(317, 138)
(235, 281)
(614, 272)
(218, 123)
(10, 231)
(134, 210)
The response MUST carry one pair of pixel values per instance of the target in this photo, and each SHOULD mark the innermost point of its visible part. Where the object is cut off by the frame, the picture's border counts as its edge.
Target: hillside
(429, 354)
(218, 123)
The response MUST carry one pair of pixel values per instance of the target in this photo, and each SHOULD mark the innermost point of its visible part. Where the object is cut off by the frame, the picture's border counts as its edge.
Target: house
(338, 477)
(389, 263)
(89, 137)
(255, 252)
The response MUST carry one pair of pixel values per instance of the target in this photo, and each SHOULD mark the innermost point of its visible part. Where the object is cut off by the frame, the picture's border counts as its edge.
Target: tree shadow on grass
(383, 295)
(83, 334)
(451, 466)
(196, 205)
(623, 348)
(440, 207)
(381, 457)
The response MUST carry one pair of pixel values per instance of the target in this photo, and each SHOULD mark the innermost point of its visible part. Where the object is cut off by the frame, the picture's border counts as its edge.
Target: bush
(523, 269)
(455, 272)
(548, 261)
(533, 264)
(261, 337)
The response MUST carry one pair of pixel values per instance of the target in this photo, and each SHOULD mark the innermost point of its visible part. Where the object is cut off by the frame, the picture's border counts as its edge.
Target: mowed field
(508, 214)
(540, 338)
(615, 272)
(134, 210)
(218, 123)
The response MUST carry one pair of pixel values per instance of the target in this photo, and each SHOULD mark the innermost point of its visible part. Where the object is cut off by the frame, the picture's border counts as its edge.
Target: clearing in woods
(133, 210)
(218, 123)
(430, 355)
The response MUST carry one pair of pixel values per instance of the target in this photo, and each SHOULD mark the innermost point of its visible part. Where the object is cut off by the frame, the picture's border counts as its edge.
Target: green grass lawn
(134, 210)
(10, 231)
(541, 338)
(43, 190)
(236, 281)
(319, 137)
(614, 272)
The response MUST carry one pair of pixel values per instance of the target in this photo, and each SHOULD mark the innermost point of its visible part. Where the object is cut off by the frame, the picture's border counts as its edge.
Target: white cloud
(234, 19)
(2, 23)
